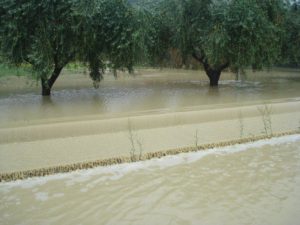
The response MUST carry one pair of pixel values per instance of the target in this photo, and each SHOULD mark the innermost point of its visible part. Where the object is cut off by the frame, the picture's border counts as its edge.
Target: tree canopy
(226, 33)
(49, 34)
(291, 42)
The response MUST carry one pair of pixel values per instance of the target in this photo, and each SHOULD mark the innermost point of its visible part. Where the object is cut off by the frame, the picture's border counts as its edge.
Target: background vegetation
(47, 35)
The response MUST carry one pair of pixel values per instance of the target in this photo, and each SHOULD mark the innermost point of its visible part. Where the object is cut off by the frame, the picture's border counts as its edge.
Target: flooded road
(256, 183)
(168, 90)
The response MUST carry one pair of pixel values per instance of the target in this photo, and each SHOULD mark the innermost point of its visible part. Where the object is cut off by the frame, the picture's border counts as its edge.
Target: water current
(256, 183)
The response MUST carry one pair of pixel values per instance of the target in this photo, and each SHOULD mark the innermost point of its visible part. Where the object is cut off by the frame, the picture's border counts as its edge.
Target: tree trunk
(48, 83)
(214, 76)
(46, 90)
(213, 73)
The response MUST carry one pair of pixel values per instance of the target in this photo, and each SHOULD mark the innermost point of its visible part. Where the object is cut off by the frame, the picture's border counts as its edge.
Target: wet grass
(7, 70)
(25, 70)
(75, 68)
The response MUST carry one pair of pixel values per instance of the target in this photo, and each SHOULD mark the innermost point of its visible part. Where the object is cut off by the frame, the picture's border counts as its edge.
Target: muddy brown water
(256, 183)
(149, 91)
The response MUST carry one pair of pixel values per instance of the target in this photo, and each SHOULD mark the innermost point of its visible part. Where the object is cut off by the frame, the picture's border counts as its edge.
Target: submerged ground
(254, 183)
(153, 111)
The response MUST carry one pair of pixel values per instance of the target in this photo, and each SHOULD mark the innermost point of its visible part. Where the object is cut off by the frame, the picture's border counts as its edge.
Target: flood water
(256, 183)
(156, 91)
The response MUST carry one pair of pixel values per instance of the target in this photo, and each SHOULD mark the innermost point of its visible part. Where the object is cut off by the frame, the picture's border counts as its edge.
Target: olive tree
(226, 33)
(48, 34)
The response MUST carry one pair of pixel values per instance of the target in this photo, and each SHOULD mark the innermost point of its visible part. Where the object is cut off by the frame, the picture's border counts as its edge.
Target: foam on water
(116, 172)
(42, 196)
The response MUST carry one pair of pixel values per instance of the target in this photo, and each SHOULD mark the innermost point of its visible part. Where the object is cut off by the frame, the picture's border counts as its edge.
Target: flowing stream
(256, 183)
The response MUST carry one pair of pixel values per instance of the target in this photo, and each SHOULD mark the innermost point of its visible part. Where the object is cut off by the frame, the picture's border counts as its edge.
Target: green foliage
(243, 34)
(48, 34)
(238, 32)
(41, 33)
(7, 70)
(291, 43)
(146, 4)
(107, 31)
(151, 34)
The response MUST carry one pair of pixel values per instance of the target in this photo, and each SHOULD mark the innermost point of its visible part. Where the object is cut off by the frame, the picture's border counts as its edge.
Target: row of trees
(49, 34)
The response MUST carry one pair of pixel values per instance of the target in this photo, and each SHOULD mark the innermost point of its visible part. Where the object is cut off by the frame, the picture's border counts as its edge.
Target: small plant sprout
(134, 141)
(265, 112)
(241, 123)
(131, 139)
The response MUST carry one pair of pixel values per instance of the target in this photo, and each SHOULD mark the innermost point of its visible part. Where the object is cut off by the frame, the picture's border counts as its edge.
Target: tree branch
(54, 75)
(203, 61)
(199, 58)
(26, 59)
(224, 66)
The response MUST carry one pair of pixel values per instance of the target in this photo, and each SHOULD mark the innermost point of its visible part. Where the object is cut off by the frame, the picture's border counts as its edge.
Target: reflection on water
(213, 93)
(142, 94)
(47, 101)
(257, 183)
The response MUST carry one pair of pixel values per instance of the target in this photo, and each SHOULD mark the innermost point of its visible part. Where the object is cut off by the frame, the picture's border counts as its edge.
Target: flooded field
(147, 92)
(256, 183)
